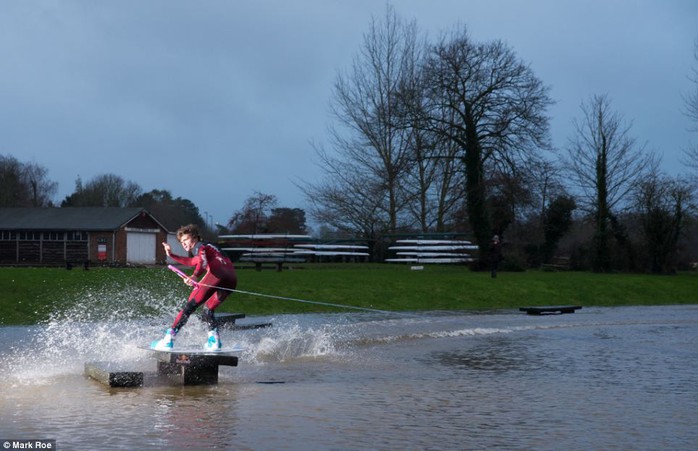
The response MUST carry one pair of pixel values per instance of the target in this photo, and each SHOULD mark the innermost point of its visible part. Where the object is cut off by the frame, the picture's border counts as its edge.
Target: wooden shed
(75, 235)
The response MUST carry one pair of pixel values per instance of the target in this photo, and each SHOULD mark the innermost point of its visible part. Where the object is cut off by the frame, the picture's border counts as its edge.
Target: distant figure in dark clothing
(495, 254)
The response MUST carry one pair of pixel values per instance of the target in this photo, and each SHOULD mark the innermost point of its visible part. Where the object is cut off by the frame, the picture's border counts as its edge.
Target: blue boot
(166, 343)
(214, 341)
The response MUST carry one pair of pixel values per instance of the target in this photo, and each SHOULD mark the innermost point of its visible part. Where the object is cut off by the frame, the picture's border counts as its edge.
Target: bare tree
(41, 189)
(106, 190)
(434, 184)
(434, 180)
(546, 184)
(24, 184)
(664, 205)
(254, 215)
(491, 105)
(372, 148)
(553, 207)
(605, 164)
(346, 200)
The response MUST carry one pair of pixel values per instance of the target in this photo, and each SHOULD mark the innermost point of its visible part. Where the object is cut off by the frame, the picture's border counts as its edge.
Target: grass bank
(31, 295)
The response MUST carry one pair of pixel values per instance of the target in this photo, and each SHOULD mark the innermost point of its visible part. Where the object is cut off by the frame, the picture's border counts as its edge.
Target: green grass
(31, 295)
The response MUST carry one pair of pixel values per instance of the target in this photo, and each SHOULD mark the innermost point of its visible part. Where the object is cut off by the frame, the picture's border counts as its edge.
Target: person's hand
(168, 248)
(191, 282)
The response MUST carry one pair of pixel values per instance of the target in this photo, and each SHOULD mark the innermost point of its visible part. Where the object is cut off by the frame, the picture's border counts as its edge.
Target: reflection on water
(599, 378)
(498, 354)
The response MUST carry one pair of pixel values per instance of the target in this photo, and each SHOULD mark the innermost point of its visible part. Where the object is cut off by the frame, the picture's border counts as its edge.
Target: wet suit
(219, 272)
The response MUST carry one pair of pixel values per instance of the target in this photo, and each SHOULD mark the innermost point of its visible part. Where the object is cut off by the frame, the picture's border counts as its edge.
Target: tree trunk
(475, 192)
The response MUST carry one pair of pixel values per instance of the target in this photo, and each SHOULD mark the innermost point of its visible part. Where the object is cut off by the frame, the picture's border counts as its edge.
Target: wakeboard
(194, 350)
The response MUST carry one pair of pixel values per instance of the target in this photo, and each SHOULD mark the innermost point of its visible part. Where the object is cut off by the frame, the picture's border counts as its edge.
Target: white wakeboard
(196, 350)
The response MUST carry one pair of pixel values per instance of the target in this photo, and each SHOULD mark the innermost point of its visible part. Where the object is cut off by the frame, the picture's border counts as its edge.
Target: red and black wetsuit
(219, 274)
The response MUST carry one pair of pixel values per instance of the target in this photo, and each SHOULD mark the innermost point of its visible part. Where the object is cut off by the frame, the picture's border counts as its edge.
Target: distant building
(75, 235)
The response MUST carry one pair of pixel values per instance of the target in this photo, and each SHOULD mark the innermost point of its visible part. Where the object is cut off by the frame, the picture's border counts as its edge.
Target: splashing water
(107, 324)
(291, 340)
(110, 324)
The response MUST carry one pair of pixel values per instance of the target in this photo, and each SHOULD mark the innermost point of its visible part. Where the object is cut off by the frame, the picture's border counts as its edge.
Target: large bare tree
(605, 164)
(371, 150)
(490, 104)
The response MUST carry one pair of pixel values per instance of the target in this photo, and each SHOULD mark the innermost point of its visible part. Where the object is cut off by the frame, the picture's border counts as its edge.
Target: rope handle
(182, 275)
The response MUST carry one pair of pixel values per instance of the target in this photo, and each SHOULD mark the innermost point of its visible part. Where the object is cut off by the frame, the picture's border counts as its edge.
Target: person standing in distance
(495, 255)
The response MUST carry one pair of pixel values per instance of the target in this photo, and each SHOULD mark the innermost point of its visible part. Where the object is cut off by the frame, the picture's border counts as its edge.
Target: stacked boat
(431, 251)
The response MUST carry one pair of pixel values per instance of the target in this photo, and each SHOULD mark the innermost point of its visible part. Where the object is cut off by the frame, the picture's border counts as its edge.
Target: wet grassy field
(31, 295)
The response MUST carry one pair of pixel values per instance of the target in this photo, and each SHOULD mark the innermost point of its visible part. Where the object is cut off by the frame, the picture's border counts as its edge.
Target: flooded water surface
(602, 378)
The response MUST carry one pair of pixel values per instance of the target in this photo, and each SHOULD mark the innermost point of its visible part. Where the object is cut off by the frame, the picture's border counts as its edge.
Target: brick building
(50, 236)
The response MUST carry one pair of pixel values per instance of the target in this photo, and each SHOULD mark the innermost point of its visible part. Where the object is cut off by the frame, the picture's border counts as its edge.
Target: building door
(140, 248)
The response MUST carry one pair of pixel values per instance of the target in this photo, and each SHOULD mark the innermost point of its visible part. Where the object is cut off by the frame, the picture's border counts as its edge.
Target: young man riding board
(218, 281)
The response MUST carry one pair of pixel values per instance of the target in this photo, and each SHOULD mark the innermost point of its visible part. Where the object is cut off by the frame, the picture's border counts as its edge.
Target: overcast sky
(216, 99)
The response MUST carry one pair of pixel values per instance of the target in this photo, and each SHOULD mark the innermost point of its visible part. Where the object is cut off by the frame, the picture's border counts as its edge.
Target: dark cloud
(214, 100)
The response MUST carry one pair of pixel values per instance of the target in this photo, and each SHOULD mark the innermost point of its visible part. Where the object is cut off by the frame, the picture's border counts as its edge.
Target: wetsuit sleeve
(201, 263)
(198, 260)
(186, 261)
